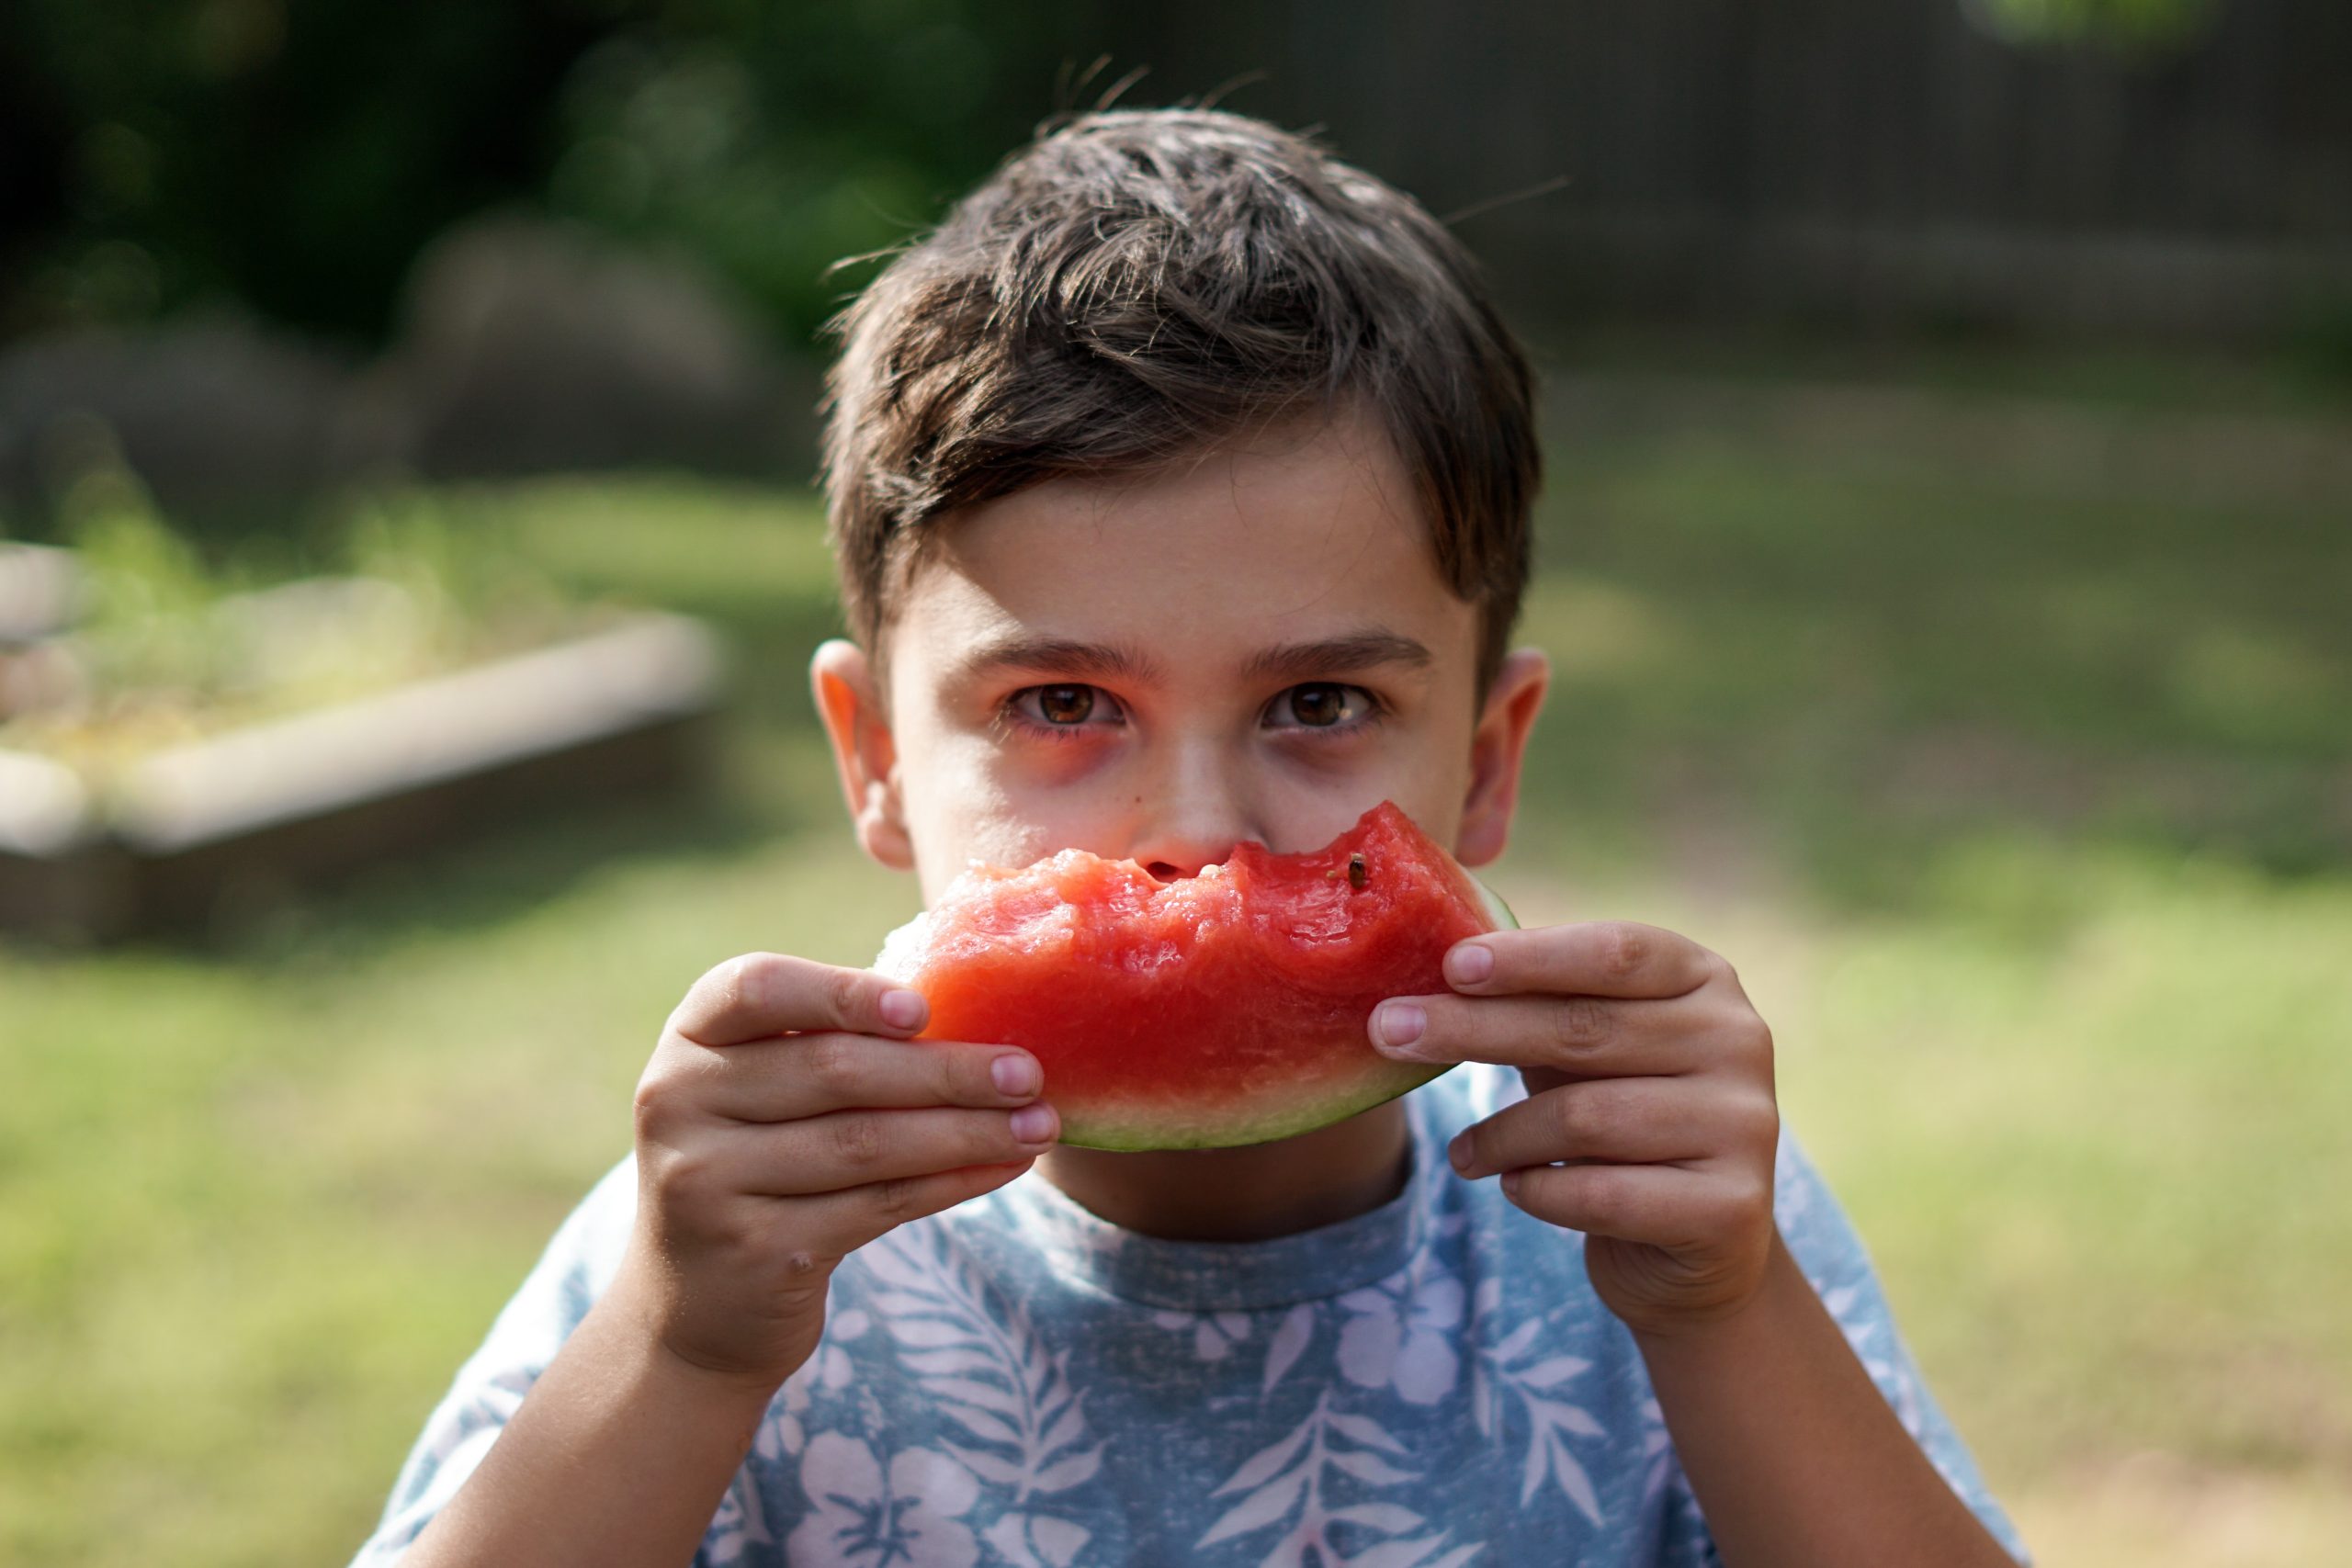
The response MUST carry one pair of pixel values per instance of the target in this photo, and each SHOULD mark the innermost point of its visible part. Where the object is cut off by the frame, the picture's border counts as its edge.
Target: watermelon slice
(1226, 1008)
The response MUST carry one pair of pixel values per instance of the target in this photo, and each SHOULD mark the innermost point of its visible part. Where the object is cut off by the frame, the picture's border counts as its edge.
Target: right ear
(842, 679)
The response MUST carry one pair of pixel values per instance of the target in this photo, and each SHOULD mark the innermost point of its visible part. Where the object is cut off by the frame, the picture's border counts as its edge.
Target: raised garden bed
(102, 838)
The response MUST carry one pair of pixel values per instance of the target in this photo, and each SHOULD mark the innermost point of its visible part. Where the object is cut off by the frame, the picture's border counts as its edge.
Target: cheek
(1429, 776)
(949, 781)
(967, 800)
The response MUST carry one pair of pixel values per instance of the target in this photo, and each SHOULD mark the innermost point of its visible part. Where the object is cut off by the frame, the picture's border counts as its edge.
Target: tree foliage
(294, 155)
(2131, 25)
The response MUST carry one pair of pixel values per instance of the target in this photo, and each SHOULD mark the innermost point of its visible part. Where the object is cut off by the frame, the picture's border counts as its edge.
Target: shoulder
(577, 1265)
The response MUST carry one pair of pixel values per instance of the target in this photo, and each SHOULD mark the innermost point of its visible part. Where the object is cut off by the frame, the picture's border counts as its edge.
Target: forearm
(619, 1455)
(1795, 1456)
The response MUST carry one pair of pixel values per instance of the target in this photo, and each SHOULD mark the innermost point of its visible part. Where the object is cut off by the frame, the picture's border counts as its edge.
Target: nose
(1192, 811)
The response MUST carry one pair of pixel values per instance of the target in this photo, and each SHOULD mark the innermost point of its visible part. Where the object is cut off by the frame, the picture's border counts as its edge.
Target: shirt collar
(1203, 1276)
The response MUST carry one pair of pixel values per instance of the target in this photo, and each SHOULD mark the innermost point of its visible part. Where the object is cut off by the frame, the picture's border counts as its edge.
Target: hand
(783, 1122)
(1650, 1122)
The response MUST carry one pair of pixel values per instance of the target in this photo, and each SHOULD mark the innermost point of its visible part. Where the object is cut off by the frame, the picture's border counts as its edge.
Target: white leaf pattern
(971, 1390)
(1547, 1455)
(1258, 1509)
(1558, 1368)
(925, 1332)
(1068, 1427)
(1572, 1478)
(1066, 1474)
(1291, 1474)
(1371, 1467)
(1531, 1477)
(1368, 1432)
(980, 1424)
(1288, 1344)
(1018, 1398)
(1516, 1340)
(1566, 1418)
(1265, 1461)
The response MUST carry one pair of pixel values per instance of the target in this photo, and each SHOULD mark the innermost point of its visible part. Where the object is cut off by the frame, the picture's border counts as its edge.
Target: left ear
(864, 754)
(1496, 748)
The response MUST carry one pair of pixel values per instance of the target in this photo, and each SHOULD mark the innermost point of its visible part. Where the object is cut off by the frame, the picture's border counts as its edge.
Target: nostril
(1163, 871)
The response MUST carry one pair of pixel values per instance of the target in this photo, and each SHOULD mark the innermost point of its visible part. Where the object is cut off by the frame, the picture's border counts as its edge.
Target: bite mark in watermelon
(1226, 1008)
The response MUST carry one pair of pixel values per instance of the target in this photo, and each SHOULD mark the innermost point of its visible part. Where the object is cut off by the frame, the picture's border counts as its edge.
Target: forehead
(1301, 532)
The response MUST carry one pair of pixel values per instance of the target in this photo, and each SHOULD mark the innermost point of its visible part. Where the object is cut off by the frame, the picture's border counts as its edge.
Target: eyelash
(1011, 716)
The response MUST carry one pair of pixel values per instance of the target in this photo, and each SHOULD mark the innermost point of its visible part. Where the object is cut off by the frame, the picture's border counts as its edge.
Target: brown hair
(1138, 283)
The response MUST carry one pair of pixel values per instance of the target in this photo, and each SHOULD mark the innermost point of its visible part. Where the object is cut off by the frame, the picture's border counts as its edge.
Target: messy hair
(1137, 285)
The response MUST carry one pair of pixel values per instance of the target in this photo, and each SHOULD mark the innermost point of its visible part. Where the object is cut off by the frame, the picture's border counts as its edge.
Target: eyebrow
(1021, 650)
(1097, 661)
(1336, 655)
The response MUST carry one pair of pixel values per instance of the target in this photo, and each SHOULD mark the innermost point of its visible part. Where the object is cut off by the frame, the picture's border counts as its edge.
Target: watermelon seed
(1357, 876)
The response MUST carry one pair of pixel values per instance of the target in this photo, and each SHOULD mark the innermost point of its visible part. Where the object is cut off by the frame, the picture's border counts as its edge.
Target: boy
(1180, 484)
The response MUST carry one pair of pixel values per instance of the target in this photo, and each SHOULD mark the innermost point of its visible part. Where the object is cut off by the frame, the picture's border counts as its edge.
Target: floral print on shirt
(1015, 1384)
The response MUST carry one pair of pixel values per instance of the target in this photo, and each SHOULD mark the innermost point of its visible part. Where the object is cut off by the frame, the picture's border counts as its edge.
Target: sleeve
(1826, 1246)
(579, 1263)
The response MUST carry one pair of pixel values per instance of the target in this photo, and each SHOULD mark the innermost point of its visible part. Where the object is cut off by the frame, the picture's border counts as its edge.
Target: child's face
(1255, 645)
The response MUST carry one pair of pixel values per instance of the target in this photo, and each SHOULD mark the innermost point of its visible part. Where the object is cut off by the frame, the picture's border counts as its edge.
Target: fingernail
(903, 1010)
(1510, 1184)
(1401, 1023)
(1015, 1075)
(1469, 964)
(1458, 1151)
(1033, 1123)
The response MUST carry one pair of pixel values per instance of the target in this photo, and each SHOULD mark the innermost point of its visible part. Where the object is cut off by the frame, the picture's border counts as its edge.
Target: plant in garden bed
(163, 648)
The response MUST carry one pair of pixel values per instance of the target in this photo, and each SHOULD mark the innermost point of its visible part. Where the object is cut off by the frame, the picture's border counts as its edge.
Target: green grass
(2025, 814)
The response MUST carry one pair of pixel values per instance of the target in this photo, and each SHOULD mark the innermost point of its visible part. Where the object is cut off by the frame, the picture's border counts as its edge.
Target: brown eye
(1320, 705)
(1066, 709)
(1065, 705)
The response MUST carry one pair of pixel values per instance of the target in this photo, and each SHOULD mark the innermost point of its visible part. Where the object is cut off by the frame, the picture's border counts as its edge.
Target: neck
(1253, 1193)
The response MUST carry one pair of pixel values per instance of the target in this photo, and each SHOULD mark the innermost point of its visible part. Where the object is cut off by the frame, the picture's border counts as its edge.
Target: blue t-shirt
(1017, 1382)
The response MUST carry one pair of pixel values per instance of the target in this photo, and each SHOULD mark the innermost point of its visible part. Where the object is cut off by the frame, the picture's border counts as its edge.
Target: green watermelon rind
(1103, 1133)
(1504, 919)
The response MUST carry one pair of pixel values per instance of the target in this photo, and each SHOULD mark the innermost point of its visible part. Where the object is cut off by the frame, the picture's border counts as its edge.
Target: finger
(1632, 1119)
(838, 1222)
(798, 1075)
(1598, 958)
(762, 994)
(1576, 1035)
(1657, 1205)
(858, 1148)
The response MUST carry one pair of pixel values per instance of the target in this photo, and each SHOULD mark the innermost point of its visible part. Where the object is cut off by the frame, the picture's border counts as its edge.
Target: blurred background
(1946, 561)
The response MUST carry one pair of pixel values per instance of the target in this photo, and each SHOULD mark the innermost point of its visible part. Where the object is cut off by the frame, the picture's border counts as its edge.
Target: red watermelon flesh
(1226, 1008)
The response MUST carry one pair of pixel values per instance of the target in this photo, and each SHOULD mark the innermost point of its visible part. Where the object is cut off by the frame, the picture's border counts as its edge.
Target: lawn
(2023, 804)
